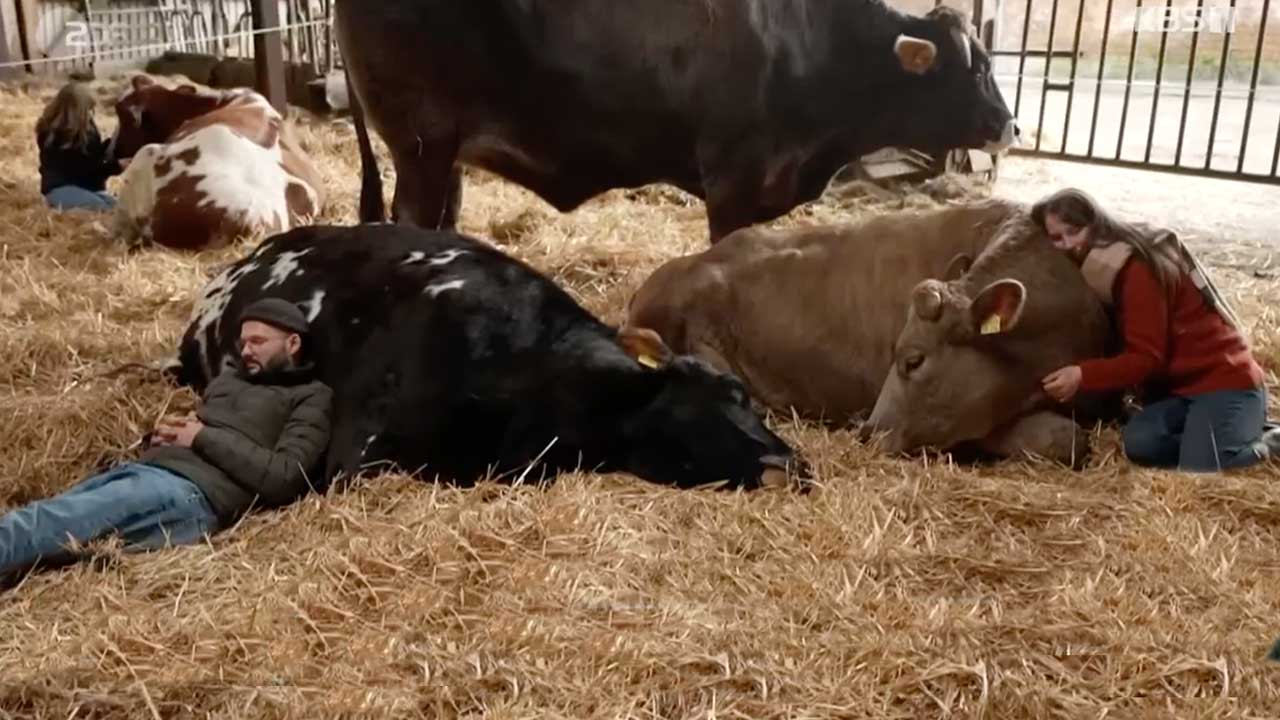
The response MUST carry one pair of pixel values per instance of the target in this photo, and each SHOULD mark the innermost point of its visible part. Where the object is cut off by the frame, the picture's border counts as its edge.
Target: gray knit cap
(279, 313)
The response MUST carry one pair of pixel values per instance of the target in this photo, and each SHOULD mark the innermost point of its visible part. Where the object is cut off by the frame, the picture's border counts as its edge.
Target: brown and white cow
(207, 166)
(892, 315)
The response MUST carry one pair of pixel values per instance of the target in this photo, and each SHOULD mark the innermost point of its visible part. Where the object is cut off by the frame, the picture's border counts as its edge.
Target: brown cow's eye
(912, 362)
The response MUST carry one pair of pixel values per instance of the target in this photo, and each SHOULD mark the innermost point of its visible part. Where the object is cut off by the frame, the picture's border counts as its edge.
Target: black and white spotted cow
(451, 360)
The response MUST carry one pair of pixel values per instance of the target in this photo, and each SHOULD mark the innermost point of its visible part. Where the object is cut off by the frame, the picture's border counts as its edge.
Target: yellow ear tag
(992, 325)
(648, 361)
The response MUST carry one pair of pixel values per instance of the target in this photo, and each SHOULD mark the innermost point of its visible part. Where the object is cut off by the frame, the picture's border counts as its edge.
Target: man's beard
(278, 363)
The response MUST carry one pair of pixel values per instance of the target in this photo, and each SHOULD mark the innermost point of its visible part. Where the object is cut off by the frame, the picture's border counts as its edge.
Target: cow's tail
(372, 209)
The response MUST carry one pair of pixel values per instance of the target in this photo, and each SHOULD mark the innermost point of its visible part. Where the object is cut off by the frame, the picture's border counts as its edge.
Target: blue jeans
(1201, 433)
(149, 507)
(66, 197)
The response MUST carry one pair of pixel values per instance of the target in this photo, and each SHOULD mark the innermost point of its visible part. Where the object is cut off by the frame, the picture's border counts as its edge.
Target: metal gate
(62, 36)
(1189, 87)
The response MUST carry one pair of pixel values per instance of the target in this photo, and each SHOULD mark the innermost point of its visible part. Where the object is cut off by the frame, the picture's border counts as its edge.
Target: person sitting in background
(259, 432)
(1183, 347)
(75, 162)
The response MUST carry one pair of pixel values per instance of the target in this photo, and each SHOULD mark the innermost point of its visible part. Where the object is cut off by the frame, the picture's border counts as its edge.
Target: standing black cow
(450, 358)
(751, 105)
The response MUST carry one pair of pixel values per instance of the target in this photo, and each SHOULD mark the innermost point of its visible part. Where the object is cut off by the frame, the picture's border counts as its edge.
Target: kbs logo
(83, 36)
(1214, 20)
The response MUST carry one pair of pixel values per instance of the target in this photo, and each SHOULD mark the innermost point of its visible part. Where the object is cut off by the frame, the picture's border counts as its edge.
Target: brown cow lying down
(835, 322)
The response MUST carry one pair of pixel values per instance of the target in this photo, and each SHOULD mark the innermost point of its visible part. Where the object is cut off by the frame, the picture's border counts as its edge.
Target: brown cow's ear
(959, 265)
(915, 54)
(926, 301)
(645, 347)
(142, 81)
(998, 307)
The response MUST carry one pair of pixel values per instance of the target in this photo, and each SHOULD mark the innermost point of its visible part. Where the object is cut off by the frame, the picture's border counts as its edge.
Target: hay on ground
(897, 589)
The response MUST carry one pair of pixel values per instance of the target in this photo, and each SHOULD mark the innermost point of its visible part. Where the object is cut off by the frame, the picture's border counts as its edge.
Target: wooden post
(268, 55)
(10, 39)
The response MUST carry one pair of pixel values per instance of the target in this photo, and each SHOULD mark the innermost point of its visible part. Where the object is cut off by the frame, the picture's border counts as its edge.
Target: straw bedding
(898, 588)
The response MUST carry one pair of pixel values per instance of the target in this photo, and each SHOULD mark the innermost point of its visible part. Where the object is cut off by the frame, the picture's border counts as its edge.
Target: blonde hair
(1158, 249)
(68, 118)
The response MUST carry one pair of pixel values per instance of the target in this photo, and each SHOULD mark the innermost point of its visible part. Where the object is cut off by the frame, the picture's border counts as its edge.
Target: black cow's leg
(728, 211)
(453, 206)
(427, 183)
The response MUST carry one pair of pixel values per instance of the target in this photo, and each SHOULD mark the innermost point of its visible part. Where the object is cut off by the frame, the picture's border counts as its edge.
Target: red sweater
(1182, 342)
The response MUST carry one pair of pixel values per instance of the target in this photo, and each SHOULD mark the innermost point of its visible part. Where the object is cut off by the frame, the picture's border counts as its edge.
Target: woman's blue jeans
(1201, 433)
(68, 197)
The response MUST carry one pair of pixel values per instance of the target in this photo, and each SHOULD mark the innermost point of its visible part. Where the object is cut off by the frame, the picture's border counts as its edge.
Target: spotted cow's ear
(186, 89)
(142, 81)
(915, 54)
(645, 347)
(998, 307)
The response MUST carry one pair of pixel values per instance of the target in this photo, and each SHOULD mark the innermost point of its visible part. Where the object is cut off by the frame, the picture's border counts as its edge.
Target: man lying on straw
(258, 433)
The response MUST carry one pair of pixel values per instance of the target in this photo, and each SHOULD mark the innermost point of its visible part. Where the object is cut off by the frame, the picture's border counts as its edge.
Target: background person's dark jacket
(86, 167)
(263, 440)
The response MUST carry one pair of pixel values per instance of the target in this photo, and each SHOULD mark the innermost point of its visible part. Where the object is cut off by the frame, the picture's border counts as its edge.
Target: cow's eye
(912, 362)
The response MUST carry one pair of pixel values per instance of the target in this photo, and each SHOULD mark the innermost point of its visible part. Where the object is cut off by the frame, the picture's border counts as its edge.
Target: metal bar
(291, 19)
(1275, 158)
(1102, 64)
(1128, 86)
(1022, 59)
(1044, 88)
(1160, 167)
(1071, 94)
(87, 8)
(328, 36)
(1253, 84)
(1059, 86)
(1186, 95)
(1155, 92)
(1217, 100)
(1030, 53)
(310, 32)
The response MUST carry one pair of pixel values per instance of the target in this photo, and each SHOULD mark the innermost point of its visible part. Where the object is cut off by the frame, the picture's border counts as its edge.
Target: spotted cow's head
(151, 113)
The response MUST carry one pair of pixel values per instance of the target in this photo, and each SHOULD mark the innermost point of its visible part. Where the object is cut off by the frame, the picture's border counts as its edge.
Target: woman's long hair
(1159, 249)
(68, 119)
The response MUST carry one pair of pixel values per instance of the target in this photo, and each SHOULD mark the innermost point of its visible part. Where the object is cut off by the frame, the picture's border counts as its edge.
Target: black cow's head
(693, 424)
(950, 98)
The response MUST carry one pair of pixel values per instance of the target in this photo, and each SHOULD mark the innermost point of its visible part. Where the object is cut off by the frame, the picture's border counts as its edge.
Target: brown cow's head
(974, 350)
(151, 113)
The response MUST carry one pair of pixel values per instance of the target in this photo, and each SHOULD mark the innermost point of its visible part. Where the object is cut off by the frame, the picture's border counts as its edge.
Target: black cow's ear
(998, 307)
(915, 54)
(645, 347)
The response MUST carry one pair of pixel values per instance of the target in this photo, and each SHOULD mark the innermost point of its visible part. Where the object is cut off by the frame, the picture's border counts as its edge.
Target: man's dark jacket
(263, 440)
